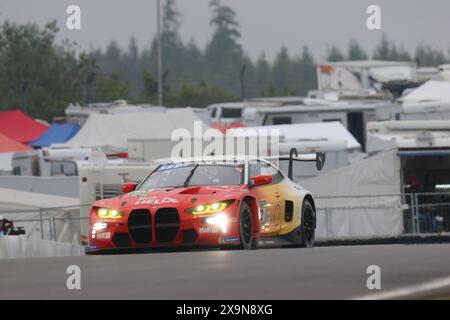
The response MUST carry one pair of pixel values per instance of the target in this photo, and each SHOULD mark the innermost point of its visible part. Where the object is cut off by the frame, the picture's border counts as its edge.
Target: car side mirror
(129, 187)
(261, 180)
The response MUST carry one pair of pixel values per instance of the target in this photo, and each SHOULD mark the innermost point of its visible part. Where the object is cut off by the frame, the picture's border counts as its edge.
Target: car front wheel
(246, 227)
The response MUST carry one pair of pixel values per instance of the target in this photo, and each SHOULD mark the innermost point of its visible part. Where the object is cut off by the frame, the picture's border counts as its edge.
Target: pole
(24, 97)
(160, 59)
(166, 73)
(41, 224)
(243, 82)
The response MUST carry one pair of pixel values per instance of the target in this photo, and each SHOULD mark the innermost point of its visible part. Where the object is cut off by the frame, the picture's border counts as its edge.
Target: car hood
(172, 197)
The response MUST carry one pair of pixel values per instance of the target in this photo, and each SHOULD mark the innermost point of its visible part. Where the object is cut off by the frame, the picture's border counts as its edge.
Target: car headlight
(109, 213)
(210, 208)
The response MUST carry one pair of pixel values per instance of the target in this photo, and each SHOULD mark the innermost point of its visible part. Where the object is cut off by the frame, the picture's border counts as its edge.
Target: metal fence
(420, 213)
(56, 223)
(427, 212)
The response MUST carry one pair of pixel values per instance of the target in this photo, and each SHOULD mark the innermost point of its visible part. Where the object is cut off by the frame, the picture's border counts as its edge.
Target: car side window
(260, 167)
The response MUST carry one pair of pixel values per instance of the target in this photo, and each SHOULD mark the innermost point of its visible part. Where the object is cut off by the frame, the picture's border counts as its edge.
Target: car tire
(308, 226)
(246, 227)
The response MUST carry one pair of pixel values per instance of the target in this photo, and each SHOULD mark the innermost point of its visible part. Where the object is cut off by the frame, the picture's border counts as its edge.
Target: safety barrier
(350, 217)
(21, 246)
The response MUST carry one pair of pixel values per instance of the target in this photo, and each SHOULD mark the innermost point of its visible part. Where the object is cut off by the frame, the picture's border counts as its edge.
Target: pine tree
(224, 54)
(334, 54)
(355, 52)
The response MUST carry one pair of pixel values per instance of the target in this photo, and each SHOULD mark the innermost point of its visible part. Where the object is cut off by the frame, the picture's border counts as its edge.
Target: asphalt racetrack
(319, 273)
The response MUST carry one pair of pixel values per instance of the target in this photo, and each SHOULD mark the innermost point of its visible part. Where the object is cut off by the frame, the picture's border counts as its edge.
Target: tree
(174, 51)
(171, 23)
(199, 95)
(403, 55)
(273, 91)
(263, 74)
(427, 56)
(334, 54)
(223, 53)
(281, 68)
(111, 61)
(150, 90)
(355, 52)
(130, 68)
(38, 74)
(383, 51)
(111, 88)
(307, 72)
(387, 50)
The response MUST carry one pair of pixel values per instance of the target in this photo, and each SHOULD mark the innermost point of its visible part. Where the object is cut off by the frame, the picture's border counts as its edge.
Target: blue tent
(57, 133)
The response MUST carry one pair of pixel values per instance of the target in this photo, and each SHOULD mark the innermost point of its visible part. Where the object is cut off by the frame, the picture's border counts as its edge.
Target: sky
(266, 25)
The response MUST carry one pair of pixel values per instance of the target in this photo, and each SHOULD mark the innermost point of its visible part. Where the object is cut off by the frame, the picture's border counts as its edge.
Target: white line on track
(418, 290)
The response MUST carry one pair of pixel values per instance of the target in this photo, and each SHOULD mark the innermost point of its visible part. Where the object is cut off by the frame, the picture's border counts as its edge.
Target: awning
(423, 153)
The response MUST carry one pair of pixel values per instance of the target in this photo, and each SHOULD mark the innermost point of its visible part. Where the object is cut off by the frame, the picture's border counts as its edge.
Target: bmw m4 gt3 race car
(240, 203)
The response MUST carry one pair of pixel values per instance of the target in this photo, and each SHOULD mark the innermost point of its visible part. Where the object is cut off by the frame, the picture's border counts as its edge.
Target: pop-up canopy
(9, 145)
(57, 133)
(18, 126)
(7, 148)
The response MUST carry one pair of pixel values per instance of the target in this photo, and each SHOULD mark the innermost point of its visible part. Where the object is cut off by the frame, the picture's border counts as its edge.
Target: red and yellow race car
(242, 203)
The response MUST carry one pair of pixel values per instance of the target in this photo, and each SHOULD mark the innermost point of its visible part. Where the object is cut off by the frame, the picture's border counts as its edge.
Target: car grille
(140, 226)
(167, 223)
(121, 240)
(190, 236)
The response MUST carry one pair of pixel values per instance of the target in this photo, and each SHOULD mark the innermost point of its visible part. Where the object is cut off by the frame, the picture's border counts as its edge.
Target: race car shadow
(160, 250)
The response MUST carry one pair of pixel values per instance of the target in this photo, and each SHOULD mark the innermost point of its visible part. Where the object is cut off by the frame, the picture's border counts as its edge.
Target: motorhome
(353, 116)
(48, 162)
(229, 112)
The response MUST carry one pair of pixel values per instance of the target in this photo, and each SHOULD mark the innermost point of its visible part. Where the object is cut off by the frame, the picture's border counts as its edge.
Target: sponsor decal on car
(229, 240)
(104, 235)
(155, 200)
(208, 229)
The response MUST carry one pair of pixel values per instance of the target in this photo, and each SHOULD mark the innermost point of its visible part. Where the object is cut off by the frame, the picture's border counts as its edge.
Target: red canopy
(18, 126)
(9, 145)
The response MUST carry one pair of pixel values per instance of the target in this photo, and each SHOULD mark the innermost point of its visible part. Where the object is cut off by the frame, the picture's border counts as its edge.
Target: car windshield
(189, 174)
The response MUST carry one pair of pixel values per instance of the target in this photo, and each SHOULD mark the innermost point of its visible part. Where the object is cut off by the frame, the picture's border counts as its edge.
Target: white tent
(27, 208)
(111, 132)
(60, 233)
(361, 200)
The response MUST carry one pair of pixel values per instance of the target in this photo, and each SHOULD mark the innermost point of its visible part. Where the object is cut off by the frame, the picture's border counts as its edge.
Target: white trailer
(104, 180)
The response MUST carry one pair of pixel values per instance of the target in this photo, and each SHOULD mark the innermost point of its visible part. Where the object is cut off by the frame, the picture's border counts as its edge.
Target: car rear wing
(319, 158)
